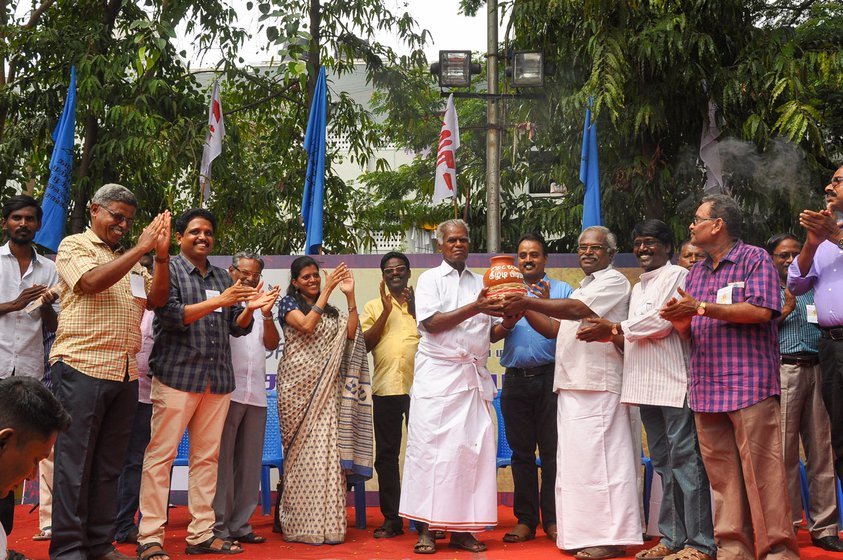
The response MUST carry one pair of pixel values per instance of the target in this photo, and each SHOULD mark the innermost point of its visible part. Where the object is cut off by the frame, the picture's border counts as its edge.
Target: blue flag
(590, 173)
(313, 201)
(57, 194)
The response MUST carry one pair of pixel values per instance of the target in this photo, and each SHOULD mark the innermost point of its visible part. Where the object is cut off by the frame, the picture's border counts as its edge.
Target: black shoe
(830, 543)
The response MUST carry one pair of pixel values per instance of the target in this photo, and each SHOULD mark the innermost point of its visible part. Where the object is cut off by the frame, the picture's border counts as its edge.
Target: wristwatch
(616, 329)
(840, 242)
(701, 308)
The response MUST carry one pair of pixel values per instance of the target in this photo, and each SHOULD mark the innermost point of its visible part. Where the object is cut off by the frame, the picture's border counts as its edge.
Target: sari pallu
(325, 414)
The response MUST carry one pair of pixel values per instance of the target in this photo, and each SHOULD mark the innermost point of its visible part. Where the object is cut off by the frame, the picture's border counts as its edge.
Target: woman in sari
(324, 404)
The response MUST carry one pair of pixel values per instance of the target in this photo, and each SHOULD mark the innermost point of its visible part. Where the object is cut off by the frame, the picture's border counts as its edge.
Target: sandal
(44, 534)
(387, 532)
(214, 545)
(551, 532)
(689, 553)
(468, 543)
(600, 552)
(152, 550)
(438, 534)
(656, 552)
(425, 545)
(250, 538)
(519, 533)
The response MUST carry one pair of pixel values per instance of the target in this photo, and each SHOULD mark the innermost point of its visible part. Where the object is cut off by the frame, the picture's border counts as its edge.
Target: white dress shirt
(440, 290)
(248, 357)
(655, 368)
(21, 339)
(593, 366)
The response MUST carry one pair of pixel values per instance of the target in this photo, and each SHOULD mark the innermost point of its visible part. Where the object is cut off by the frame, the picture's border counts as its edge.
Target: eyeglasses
(247, 273)
(400, 269)
(784, 255)
(836, 181)
(700, 219)
(591, 248)
(119, 218)
(647, 243)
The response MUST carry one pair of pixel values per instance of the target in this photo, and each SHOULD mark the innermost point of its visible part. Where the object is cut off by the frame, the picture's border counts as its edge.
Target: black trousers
(387, 416)
(88, 460)
(528, 405)
(831, 367)
(7, 511)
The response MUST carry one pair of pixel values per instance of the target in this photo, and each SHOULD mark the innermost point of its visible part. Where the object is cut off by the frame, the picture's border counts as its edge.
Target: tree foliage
(651, 67)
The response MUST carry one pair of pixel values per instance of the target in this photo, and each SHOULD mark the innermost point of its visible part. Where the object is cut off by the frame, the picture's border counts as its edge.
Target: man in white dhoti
(597, 510)
(449, 469)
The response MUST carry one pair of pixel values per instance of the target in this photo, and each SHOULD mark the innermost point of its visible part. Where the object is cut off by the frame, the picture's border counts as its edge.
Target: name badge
(724, 295)
(212, 294)
(737, 284)
(812, 313)
(138, 285)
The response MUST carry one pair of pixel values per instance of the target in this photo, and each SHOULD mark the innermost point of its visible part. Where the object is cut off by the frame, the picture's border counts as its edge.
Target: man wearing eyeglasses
(727, 310)
(93, 366)
(820, 266)
(389, 327)
(241, 446)
(802, 411)
(597, 503)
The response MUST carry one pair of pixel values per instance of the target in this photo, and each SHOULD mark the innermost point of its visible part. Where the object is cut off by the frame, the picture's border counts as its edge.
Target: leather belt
(804, 360)
(529, 372)
(834, 333)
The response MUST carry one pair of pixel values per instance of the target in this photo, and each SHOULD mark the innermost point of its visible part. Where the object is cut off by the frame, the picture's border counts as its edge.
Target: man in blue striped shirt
(528, 403)
(802, 411)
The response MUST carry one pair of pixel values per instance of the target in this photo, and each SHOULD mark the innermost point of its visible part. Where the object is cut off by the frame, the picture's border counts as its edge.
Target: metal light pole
(493, 135)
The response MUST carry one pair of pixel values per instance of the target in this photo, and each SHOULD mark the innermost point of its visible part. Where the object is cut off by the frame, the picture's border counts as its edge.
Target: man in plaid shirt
(727, 310)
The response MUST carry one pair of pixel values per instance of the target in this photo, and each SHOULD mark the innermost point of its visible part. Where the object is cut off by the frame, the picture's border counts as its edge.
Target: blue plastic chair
(273, 455)
(183, 453)
(504, 454)
(648, 483)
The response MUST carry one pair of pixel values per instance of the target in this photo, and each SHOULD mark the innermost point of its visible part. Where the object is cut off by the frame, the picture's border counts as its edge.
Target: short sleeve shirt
(99, 334)
(395, 353)
(734, 366)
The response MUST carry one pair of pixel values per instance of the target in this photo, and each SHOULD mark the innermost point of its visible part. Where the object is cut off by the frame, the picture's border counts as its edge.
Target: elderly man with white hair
(449, 471)
(597, 511)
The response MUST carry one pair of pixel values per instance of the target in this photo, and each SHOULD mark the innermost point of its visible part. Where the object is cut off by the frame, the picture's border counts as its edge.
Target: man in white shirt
(25, 277)
(597, 505)
(655, 377)
(450, 478)
(241, 447)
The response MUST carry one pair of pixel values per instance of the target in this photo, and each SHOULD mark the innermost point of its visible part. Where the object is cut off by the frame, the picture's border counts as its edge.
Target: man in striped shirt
(803, 413)
(655, 377)
(732, 298)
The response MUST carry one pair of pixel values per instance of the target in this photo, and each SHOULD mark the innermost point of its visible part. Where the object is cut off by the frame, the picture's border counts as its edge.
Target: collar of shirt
(189, 267)
(7, 250)
(708, 262)
(445, 269)
(595, 275)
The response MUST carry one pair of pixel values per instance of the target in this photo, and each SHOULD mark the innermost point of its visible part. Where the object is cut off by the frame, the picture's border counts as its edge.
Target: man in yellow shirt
(389, 327)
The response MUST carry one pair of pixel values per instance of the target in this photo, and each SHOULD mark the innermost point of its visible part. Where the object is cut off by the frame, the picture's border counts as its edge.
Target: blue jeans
(685, 514)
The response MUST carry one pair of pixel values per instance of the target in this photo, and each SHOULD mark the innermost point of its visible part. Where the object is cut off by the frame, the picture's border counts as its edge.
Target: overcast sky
(449, 31)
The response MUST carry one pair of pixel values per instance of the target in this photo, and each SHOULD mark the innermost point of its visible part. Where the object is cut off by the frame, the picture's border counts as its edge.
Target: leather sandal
(600, 552)
(468, 543)
(387, 532)
(425, 545)
(689, 553)
(250, 538)
(519, 533)
(656, 552)
(152, 550)
(214, 545)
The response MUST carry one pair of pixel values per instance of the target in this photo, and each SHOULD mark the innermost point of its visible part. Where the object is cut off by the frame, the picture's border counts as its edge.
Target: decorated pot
(503, 278)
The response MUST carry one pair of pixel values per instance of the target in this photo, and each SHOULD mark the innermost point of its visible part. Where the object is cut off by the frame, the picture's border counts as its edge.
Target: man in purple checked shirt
(820, 266)
(727, 310)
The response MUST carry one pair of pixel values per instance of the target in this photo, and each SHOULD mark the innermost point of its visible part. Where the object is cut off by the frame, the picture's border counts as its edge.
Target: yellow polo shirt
(395, 354)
